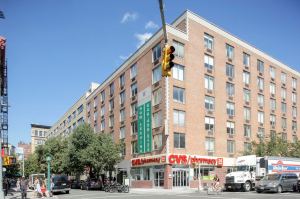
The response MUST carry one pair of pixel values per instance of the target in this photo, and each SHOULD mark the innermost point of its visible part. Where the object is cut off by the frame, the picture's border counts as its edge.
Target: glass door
(158, 178)
(180, 178)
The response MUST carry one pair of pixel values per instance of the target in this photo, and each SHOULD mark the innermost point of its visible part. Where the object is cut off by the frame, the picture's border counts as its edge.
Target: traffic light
(167, 62)
(6, 161)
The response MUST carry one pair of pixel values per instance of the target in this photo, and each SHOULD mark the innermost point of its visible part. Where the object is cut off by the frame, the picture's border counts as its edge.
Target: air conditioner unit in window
(210, 132)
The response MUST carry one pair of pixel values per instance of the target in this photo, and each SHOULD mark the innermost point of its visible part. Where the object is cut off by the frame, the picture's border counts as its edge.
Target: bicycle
(214, 189)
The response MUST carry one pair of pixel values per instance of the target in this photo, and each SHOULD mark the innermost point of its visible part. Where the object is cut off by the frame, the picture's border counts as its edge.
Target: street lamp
(48, 158)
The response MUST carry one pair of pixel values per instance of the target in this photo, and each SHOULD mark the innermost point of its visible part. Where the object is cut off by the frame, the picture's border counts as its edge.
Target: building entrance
(180, 178)
(158, 178)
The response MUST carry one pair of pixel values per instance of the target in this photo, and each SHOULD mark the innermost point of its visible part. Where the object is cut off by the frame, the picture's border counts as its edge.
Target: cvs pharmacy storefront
(177, 170)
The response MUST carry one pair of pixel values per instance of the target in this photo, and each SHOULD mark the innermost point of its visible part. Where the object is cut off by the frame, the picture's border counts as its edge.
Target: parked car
(92, 183)
(75, 184)
(298, 185)
(61, 184)
(278, 183)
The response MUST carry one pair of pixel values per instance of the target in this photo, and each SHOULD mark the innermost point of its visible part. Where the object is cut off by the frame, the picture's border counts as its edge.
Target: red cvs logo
(178, 159)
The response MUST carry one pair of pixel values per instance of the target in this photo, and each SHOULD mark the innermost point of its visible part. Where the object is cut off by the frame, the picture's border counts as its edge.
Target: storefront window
(146, 173)
(136, 174)
(140, 173)
(206, 172)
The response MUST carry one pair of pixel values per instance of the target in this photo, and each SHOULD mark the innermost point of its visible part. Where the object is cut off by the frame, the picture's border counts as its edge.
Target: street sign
(144, 121)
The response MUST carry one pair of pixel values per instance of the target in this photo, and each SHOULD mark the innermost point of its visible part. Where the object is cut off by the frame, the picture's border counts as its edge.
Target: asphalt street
(147, 194)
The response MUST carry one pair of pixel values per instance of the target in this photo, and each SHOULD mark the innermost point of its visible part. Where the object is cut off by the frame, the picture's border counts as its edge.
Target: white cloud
(129, 17)
(151, 25)
(142, 38)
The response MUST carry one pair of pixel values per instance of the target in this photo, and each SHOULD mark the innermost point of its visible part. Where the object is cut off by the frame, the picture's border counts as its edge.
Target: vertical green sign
(144, 121)
(141, 129)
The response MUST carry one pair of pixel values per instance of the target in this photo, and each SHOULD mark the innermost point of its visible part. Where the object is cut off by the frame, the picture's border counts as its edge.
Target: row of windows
(209, 44)
(39, 133)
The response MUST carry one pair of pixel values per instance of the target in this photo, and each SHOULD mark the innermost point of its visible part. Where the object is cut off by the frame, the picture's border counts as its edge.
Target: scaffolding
(4, 96)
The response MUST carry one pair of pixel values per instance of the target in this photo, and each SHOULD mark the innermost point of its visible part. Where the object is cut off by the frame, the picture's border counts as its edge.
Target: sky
(56, 48)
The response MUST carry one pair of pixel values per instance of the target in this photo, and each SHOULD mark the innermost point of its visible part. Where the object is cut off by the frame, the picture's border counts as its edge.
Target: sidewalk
(164, 191)
(14, 194)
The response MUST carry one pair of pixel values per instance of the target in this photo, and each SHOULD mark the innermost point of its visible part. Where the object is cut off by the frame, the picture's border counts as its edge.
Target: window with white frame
(247, 130)
(283, 107)
(294, 139)
(209, 82)
(230, 109)
(178, 72)
(272, 72)
(179, 140)
(156, 52)
(247, 147)
(88, 107)
(178, 94)
(95, 101)
(260, 100)
(208, 41)
(230, 89)
(247, 113)
(246, 77)
(122, 80)
(179, 52)
(294, 83)
(260, 83)
(294, 97)
(112, 89)
(122, 115)
(272, 88)
(111, 121)
(157, 96)
(111, 105)
(122, 97)
(260, 66)
(102, 126)
(134, 147)
(294, 125)
(122, 132)
(283, 93)
(247, 96)
(133, 109)
(95, 116)
(283, 77)
(134, 89)
(229, 70)
(273, 104)
(230, 128)
(260, 117)
(134, 127)
(294, 111)
(246, 59)
(102, 111)
(272, 120)
(178, 117)
(157, 119)
(208, 62)
(209, 103)
(209, 123)
(230, 146)
(102, 96)
(210, 144)
(133, 71)
(157, 141)
(156, 74)
(261, 132)
(283, 123)
(229, 51)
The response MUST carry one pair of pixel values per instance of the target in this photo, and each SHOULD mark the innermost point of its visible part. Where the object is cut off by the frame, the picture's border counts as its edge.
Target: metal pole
(48, 177)
(23, 165)
(1, 171)
(162, 15)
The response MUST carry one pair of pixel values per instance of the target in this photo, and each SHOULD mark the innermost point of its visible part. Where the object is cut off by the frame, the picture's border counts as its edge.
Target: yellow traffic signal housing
(167, 60)
(6, 161)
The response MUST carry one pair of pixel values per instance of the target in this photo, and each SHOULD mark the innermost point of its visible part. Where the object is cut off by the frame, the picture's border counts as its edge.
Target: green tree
(79, 140)
(31, 165)
(102, 154)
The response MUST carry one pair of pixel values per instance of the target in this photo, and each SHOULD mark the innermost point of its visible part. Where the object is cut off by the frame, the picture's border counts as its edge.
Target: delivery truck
(251, 168)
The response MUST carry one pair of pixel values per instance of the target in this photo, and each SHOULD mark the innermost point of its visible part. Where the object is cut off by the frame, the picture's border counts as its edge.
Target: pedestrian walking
(23, 187)
(18, 184)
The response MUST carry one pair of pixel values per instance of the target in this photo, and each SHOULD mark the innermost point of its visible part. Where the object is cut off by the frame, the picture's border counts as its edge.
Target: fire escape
(4, 96)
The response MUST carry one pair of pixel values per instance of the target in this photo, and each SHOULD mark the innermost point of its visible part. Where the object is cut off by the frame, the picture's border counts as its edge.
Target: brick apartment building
(223, 94)
(26, 148)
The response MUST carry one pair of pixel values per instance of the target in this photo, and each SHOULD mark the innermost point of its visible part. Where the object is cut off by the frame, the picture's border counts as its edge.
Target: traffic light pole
(1, 171)
(161, 8)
